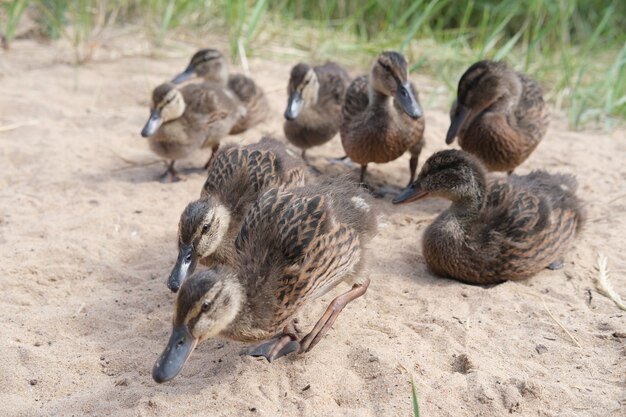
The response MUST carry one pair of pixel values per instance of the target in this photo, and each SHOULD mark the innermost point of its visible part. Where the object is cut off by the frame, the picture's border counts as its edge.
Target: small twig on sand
(603, 284)
(17, 125)
(80, 309)
(132, 163)
(559, 323)
(619, 197)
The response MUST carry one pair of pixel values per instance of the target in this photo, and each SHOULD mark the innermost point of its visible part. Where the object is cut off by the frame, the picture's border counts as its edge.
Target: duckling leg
(311, 167)
(279, 346)
(213, 150)
(324, 324)
(362, 177)
(171, 175)
(412, 168)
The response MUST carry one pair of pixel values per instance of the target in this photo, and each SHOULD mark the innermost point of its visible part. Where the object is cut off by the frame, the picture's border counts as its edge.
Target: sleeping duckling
(382, 117)
(211, 65)
(313, 114)
(294, 246)
(508, 229)
(208, 226)
(184, 120)
(499, 115)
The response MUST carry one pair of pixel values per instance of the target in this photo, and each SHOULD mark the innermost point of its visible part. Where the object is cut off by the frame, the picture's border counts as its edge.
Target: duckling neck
(378, 99)
(469, 207)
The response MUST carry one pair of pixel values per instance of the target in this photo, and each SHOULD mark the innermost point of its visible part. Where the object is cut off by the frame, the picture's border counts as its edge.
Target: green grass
(13, 11)
(416, 407)
(576, 48)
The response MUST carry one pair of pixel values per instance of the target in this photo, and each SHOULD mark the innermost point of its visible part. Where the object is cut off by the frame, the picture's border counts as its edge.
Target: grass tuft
(576, 48)
(603, 283)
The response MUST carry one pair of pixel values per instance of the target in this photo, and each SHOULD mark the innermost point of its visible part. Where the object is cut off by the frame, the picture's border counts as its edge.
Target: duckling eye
(205, 228)
(205, 306)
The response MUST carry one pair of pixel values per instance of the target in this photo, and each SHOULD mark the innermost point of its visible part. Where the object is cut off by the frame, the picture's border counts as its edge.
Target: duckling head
(389, 77)
(167, 104)
(303, 89)
(209, 64)
(451, 174)
(201, 230)
(206, 305)
(486, 84)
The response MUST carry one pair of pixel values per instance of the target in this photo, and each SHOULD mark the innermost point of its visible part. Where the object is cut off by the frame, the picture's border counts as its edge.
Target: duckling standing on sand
(382, 117)
(211, 65)
(508, 229)
(187, 119)
(313, 114)
(499, 115)
(237, 176)
(294, 246)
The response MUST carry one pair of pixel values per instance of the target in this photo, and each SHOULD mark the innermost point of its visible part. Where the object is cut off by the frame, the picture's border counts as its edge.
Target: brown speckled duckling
(499, 115)
(187, 119)
(293, 247)
(209, 225)
(211, 65)
(382, 117)
(508, 229)
(313, 114)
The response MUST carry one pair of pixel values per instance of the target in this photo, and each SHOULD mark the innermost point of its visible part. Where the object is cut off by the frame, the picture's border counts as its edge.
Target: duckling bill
(293, 247)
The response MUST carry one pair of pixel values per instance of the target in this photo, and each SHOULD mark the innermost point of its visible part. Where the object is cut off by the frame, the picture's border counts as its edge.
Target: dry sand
(88, 238)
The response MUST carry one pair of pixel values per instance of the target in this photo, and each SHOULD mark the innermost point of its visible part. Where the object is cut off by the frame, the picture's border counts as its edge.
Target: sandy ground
(87, 239)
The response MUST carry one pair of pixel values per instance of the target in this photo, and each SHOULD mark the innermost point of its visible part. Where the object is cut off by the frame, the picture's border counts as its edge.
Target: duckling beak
(455, 124)
(175, 355)
(152, 124)
(411, 193)
(184, 76)
(185, 265)
(294, 106)
(404, 95)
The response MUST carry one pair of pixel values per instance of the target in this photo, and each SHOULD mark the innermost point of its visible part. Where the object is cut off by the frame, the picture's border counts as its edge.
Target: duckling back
(298, 244)
(253, 98)
(238, 174)
(212, 111)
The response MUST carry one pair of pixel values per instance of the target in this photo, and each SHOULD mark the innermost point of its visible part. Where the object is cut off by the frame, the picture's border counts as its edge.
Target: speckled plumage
(293, 247)
(504, 229)
(506, 116)
(236, 177)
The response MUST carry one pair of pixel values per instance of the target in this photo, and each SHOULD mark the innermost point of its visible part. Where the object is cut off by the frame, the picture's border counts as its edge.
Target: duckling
(294, 246)
(208, 226)
(211, 65)
(507, 229)
(313, 114)
(184, 120)
(499, 115)
(377, 128)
